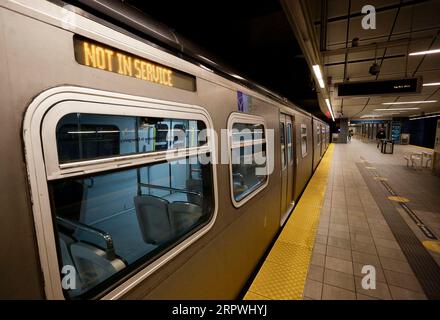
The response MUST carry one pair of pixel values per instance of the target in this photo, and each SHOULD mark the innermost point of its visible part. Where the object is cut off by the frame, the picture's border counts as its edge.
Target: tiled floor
(353, 232)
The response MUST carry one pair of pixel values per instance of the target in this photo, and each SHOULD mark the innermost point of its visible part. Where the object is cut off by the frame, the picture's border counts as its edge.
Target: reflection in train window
(113, 222)
(248, 159)
(83, 136)
(247, 132)
(304, 140)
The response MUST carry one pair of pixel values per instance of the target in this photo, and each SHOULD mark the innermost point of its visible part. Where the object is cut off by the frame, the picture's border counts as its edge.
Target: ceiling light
(318, 75)
(396, 109)
(409, 102)
(424, 117)
(236, 76)
(329, 106)
(431, 84)
(419, 53)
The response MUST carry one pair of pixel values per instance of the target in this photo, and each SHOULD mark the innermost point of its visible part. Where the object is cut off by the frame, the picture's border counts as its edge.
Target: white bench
(413, 158)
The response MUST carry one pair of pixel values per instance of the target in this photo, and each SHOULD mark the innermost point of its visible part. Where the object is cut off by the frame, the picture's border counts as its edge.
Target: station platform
(361, 208)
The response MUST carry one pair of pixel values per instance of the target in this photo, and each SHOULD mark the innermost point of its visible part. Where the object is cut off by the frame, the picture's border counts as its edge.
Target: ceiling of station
(253, 38)
(402, 27)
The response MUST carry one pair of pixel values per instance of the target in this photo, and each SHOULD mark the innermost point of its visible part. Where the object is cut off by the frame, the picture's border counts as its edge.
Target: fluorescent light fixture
(419, 53)
(431, 84)
(318, 75)
(396, 109)
(409, 102)
(236, 76)
(329, 106)
(425, 117)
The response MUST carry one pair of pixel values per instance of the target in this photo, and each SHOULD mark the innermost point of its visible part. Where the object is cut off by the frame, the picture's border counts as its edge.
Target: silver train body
(41, 82)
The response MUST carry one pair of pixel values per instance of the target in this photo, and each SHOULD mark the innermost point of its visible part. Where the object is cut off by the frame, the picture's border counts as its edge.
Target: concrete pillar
(343, 125)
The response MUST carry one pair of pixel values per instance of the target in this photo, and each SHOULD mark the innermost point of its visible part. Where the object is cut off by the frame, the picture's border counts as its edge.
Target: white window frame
(42, 165)
(237, 117)
(304, 126)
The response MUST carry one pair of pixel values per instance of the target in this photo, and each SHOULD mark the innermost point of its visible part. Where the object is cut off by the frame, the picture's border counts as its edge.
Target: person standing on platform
(380, 135)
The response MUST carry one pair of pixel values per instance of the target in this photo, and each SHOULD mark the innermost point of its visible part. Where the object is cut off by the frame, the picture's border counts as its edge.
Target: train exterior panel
(38, 62)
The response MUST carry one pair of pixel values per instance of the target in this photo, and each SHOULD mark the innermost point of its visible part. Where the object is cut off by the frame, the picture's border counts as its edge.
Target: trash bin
(387, 146)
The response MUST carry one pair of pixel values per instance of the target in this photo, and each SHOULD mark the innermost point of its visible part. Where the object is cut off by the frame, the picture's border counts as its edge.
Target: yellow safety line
(284, 272)
(412, 145)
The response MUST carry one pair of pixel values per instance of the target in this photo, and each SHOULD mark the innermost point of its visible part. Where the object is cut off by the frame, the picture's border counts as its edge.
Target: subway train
(100, 198)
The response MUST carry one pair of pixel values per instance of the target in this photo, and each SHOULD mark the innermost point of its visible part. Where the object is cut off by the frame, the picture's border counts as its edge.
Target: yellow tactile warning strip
(433, 246)
(284, 272)
(398, 199)
(427, 149)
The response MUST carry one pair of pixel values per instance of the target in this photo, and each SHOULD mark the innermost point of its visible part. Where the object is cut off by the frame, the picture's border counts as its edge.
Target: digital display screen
(379, 87)
(99, 56)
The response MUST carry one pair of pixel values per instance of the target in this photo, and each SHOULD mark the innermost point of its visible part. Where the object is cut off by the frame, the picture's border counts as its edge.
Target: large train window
(124, 186)
(247, 157)
(304, 147)
(111, 222)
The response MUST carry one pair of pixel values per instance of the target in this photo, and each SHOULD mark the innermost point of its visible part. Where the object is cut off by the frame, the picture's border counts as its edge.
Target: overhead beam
(373, 46)
(364, 60)
(379, 9)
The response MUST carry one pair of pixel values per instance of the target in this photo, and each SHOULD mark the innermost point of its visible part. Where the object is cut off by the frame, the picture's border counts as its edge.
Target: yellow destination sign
(99, 56)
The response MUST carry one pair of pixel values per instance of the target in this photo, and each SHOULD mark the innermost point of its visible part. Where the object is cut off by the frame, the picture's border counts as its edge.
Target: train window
(248, 157)
(289, 142)
(82, 136)
(112, 222)
(304, 147)
(283, 145)
(318, 135)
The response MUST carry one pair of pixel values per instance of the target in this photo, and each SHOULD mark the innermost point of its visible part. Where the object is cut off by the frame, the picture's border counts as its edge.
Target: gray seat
(65, 242)
(194, 185)
(153, 218)
(93, 265)
(184, 215)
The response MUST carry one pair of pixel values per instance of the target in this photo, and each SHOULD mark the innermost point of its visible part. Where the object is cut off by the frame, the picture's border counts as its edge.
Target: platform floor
(375, 211)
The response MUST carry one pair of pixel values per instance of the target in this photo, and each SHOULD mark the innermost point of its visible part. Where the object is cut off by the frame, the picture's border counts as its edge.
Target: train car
(97, 201)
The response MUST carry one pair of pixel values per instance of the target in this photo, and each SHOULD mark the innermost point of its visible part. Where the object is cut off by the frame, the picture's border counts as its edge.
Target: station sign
(97, 55)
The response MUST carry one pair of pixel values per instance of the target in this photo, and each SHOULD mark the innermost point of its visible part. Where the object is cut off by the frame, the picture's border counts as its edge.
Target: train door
(287, 166)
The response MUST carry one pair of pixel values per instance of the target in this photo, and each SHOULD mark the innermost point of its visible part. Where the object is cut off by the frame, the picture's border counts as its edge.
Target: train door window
(247, 157)
(283, 145)
(318, 135)
(113, 217)
(289, 142)
(304, 147)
